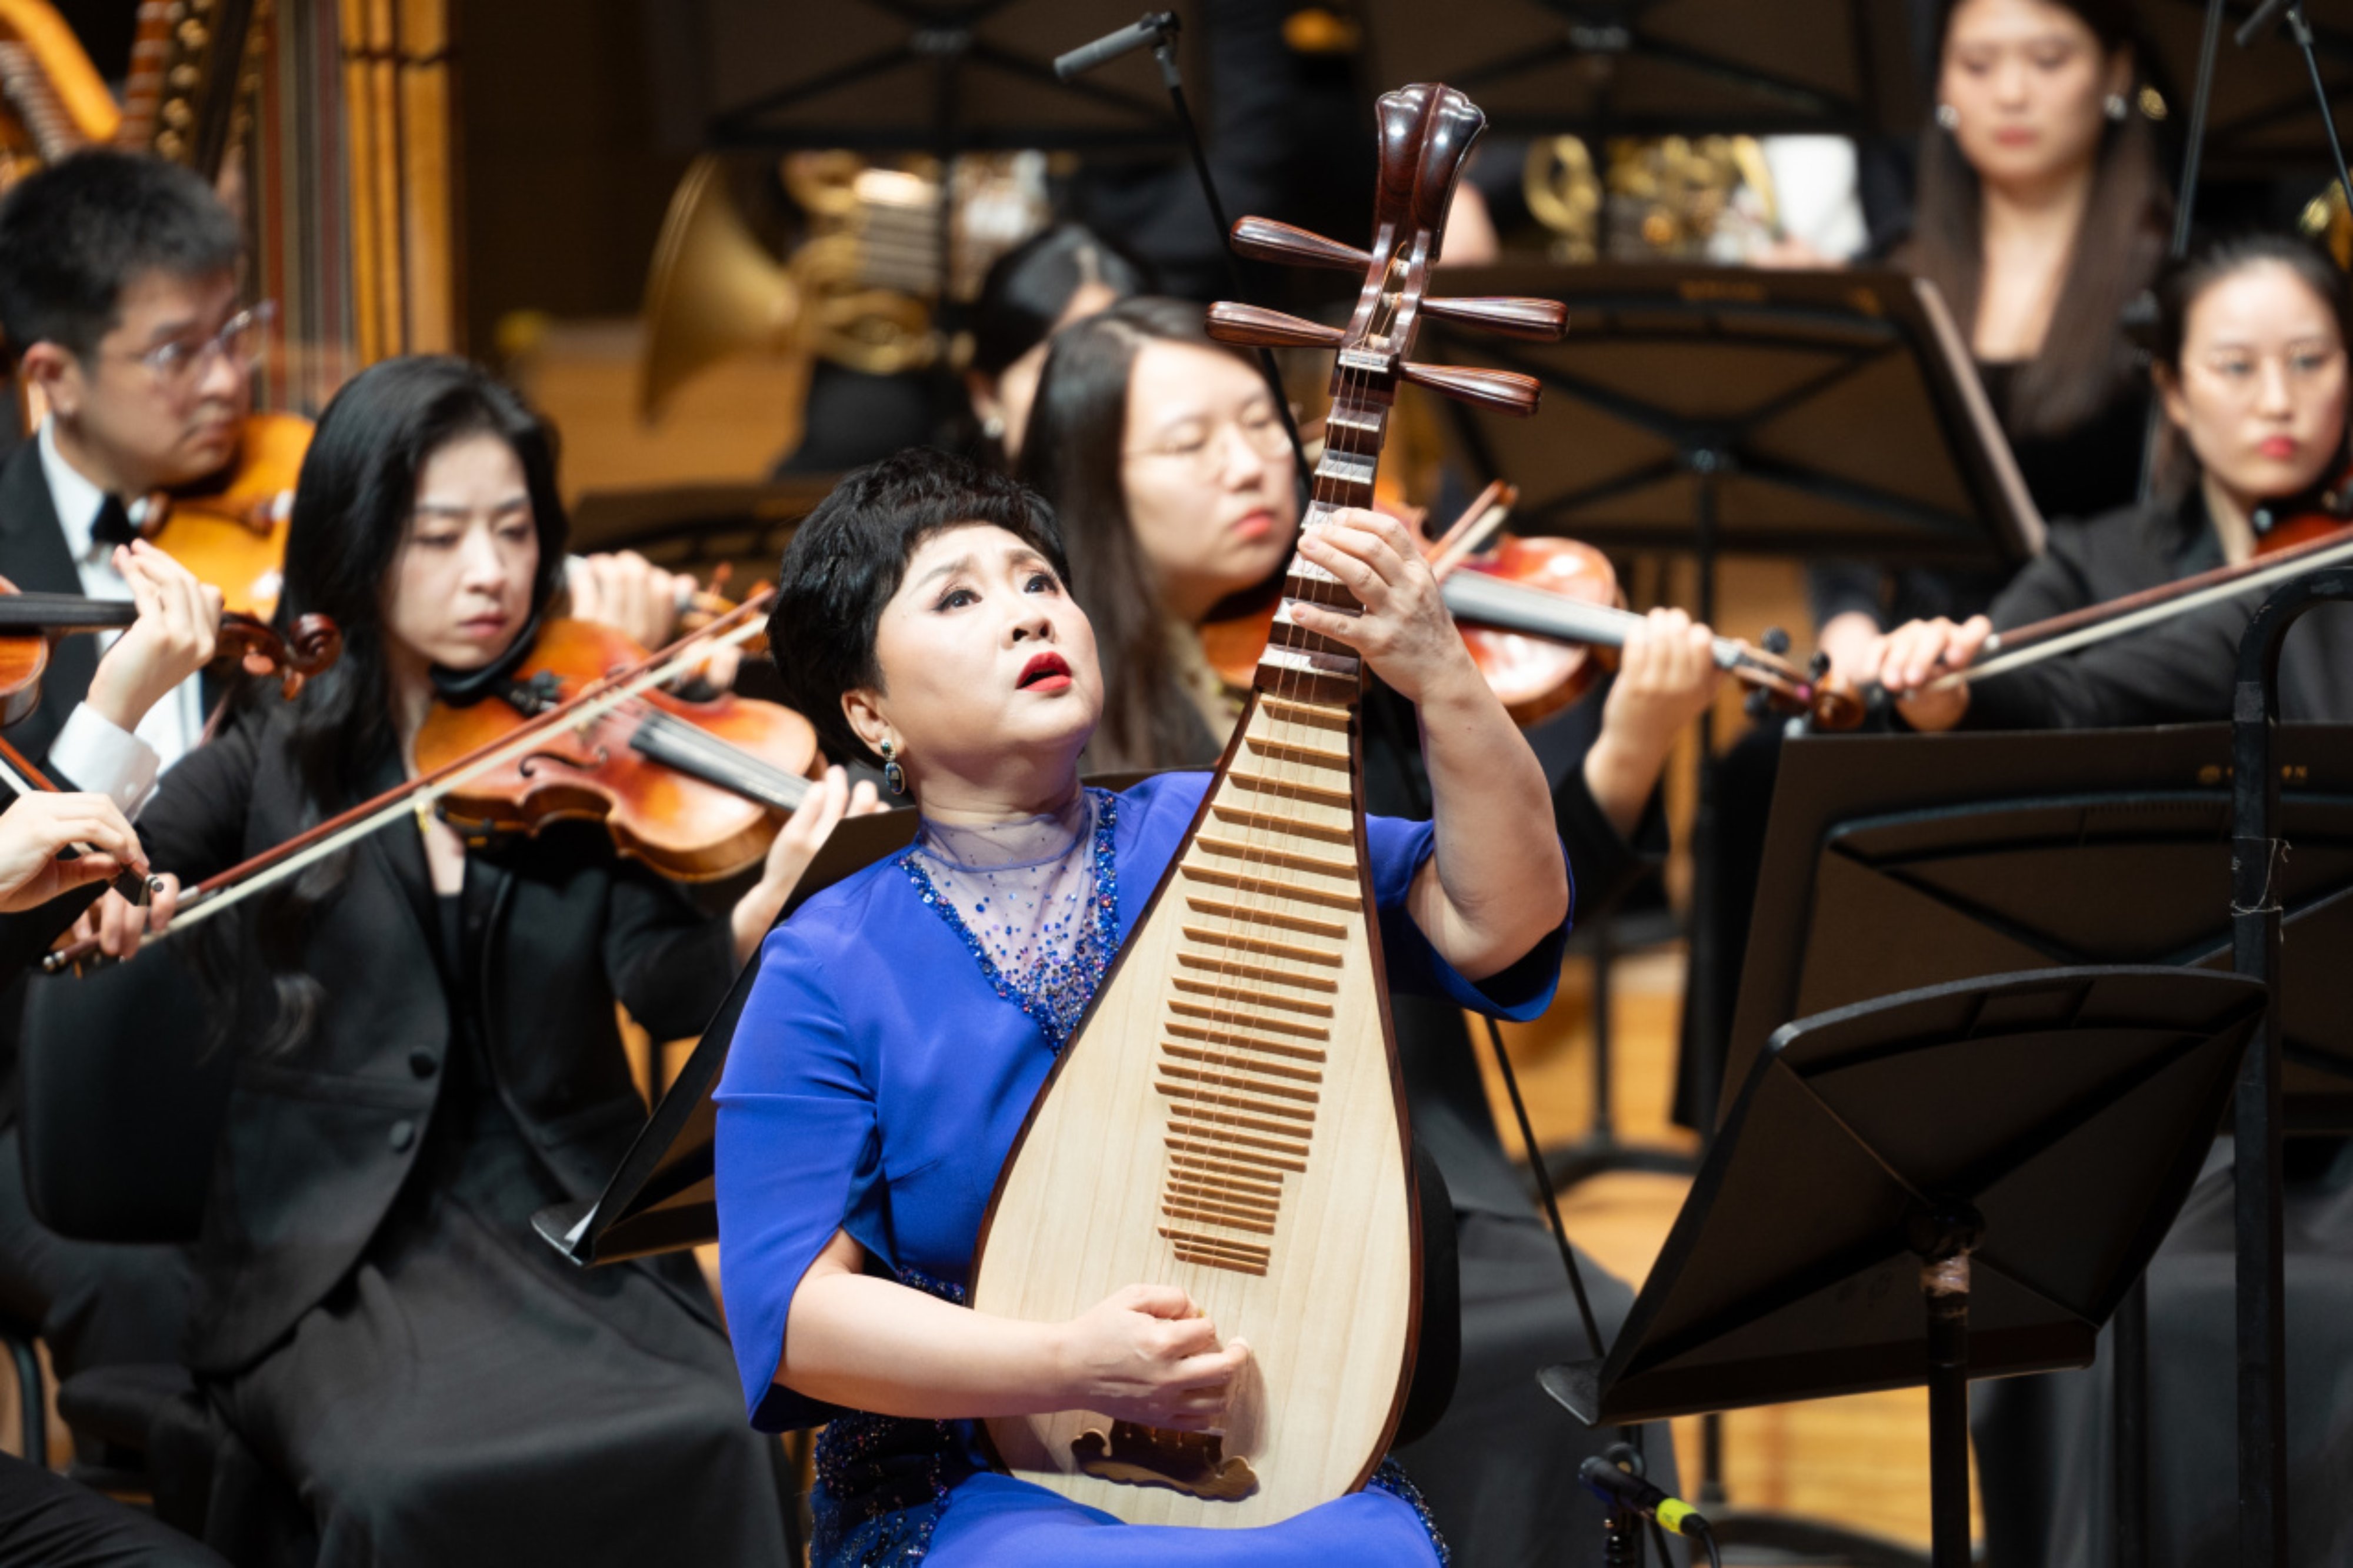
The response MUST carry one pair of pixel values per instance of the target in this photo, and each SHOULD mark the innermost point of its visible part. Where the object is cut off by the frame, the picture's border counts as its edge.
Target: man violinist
(119, 301)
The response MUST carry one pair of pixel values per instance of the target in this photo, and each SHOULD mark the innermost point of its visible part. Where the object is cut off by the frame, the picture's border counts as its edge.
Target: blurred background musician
(2040, 217)
(1049, 281)
(1172, 478)
(429, 1054)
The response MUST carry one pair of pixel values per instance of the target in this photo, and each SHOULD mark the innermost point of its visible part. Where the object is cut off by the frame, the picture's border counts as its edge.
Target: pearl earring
(2116, 106)
(893, 774)
(1949, 117)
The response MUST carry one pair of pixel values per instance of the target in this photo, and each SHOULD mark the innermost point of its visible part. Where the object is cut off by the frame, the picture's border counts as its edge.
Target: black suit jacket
(34, 557)
(2179, 671)
(320, 1137)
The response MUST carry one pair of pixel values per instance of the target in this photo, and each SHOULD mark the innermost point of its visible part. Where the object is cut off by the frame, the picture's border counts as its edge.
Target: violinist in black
(427, 1053)
(2250, 363)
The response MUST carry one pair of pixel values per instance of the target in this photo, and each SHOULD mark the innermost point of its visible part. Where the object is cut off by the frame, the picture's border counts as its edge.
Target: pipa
(1229, 1117)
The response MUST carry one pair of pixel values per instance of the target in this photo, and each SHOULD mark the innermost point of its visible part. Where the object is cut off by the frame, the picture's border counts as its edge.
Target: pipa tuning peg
(1264, 239)
(1506, 392)
(1539, 320)
(1255, 327)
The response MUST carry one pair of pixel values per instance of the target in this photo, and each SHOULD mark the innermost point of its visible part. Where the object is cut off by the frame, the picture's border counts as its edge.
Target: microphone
(1141, 35)
(1624, 1489)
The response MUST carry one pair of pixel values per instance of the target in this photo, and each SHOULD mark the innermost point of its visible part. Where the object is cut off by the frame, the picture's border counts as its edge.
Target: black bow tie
(112, 526)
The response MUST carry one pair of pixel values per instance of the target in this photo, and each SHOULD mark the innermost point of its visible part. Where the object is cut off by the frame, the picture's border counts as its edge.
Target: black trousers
(48, 1521)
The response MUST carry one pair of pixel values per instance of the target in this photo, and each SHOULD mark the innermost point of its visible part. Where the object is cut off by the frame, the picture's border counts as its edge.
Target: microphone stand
(1160, 28)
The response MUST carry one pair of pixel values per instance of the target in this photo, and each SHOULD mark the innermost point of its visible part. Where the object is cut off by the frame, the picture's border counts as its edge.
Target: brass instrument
(1667, 197)
(855, 292)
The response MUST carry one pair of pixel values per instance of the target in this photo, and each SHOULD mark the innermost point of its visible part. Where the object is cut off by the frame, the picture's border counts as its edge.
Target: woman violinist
(2250, 362)
(1163, 456)
(428, 1055)
(904, 1020)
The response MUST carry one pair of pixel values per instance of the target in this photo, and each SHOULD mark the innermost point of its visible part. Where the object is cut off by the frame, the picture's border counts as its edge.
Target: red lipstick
(2277, 446)
(1044, 672)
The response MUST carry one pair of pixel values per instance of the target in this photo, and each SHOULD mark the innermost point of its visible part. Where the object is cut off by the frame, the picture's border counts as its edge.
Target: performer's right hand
(35, 827)
(1146, 1354)
(1913, 658)
(119, 925)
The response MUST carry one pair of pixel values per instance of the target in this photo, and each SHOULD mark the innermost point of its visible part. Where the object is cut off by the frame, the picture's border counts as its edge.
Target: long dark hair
(2084, 360)
(2215, 261)
(1078, 429)
(353, 504)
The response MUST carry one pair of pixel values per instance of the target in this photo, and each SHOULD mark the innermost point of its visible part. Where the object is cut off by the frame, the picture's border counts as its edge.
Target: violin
(695, 789)
(1543, 618)
(229, 529)
(2289, 525)
(582, 712)
(1534, 677)
(29, 622)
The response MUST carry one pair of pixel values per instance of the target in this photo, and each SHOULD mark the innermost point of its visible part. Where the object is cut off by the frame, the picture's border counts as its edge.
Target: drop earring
(893, 774)
(1949, 117)
(2116, 106)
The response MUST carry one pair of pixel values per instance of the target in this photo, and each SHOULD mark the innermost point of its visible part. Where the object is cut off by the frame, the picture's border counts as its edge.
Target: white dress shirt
(90, 749)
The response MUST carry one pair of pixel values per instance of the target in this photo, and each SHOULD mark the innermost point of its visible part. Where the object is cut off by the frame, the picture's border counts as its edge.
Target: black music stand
(1905, 860)
(1951, 1183)
(922, 76)
(1894, 861)
(1661, 66)
(1721, 409)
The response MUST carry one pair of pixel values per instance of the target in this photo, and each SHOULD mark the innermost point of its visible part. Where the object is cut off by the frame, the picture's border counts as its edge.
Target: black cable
(1544, 1187)
(1707, 1538)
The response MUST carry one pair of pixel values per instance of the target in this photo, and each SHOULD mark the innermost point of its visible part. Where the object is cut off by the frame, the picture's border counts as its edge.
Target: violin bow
(415, 797)
(2039, 640)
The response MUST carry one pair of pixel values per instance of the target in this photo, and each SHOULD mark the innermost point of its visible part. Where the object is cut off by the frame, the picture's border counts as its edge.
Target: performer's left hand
(1405, 634)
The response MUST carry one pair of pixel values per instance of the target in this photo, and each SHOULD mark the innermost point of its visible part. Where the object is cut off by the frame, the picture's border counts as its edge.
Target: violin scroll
(316, 643)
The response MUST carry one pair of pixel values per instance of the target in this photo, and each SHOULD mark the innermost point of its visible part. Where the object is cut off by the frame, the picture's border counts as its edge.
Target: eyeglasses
(240, 342)
(1259, 428)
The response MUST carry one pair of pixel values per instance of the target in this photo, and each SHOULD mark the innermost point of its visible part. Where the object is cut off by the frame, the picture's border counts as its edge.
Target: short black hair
(849, 556)
(74, 234)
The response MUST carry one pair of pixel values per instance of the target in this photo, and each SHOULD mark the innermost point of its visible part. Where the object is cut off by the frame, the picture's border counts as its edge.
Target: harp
(326, 124)
(1229, 1117)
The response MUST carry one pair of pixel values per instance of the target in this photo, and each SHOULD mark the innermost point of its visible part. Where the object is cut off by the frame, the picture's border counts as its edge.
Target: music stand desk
(1894, 861)
(2044, 1129)
(1727, 409)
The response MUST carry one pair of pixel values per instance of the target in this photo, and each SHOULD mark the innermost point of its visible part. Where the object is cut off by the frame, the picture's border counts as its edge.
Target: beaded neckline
(1059, 993)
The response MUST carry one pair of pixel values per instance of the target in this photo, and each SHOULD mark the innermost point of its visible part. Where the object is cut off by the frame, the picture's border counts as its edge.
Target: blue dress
(878, 1077)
